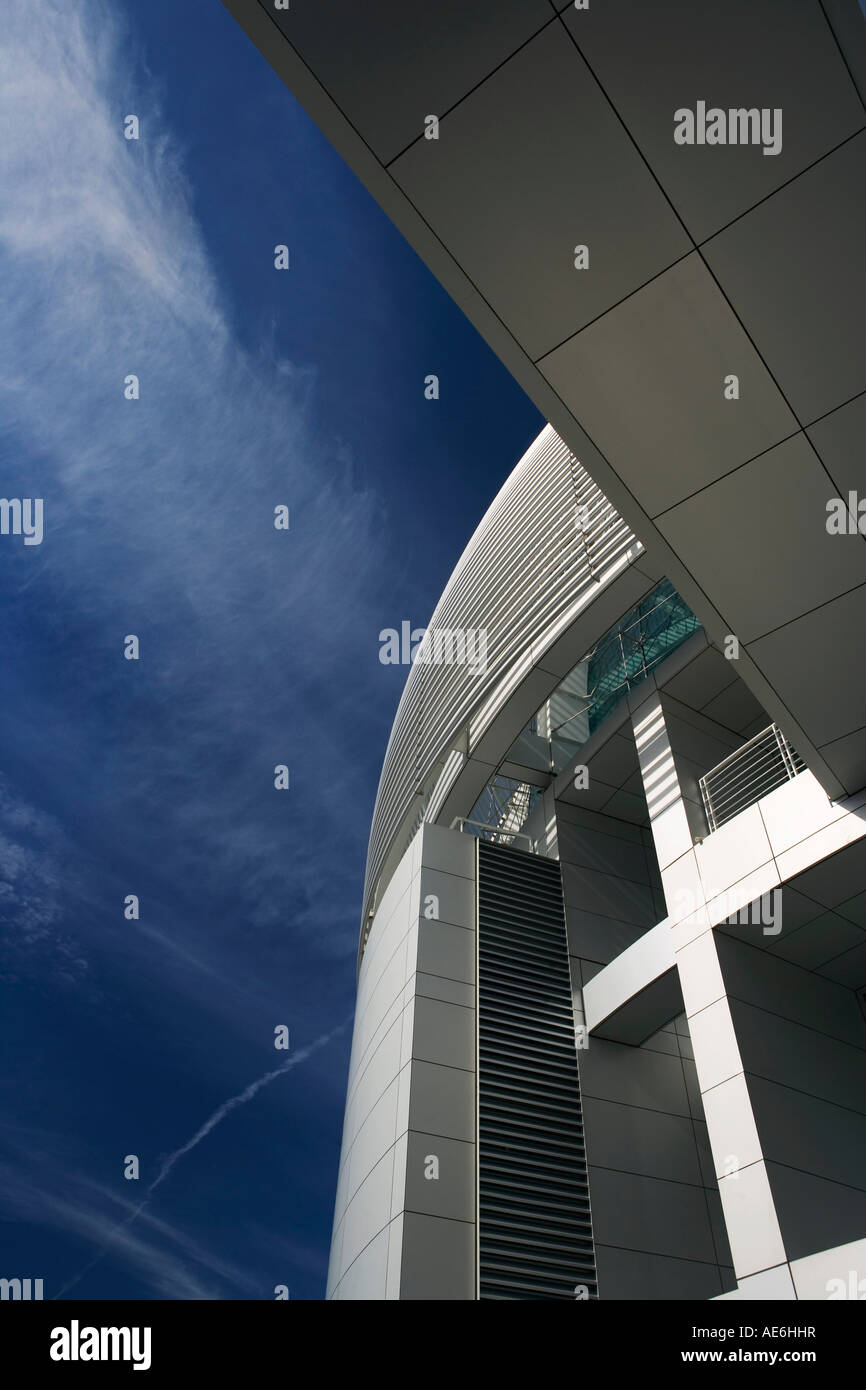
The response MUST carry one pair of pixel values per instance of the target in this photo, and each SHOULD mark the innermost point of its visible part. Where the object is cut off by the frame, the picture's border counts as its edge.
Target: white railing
(495, 833)
(766, 762)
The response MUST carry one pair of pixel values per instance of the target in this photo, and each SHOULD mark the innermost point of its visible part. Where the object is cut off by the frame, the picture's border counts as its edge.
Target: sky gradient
(258, 647)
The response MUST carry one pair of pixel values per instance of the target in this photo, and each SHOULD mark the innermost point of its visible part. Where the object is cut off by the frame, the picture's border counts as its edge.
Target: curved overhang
(708, 371)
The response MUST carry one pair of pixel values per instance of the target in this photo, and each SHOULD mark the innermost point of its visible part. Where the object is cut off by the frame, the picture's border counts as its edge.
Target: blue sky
(258, 647)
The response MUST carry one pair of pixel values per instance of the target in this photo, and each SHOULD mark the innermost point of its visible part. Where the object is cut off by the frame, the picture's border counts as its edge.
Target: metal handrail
(738, 752)
(761, 765)
(461, 821)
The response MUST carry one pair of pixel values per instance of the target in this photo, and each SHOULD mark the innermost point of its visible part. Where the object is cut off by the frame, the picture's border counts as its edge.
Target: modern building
(610, 1038)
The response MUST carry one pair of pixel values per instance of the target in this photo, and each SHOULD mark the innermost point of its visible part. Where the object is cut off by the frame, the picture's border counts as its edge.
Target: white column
(750, 1214)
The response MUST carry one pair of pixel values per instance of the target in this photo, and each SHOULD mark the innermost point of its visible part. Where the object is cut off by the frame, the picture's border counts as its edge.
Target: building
(610, 1037)
(613, 942)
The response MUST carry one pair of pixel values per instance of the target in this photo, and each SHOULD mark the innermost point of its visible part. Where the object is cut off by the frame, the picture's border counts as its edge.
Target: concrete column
(404, 1225)
(750, 1214)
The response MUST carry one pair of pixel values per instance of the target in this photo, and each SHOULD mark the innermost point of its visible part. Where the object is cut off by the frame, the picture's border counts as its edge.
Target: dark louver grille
(535, 1233)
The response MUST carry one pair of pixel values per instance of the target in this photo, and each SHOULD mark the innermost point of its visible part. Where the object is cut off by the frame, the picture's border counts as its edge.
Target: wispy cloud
(158, 512)
(167, 1259)
(37, 870)
(234, 1101)
(120, 1232)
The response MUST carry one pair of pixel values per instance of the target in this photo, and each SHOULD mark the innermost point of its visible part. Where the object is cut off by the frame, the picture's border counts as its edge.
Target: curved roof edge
(548, 569)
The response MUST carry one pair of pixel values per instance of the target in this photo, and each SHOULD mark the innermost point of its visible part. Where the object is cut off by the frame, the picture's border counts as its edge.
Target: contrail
(219, 1114)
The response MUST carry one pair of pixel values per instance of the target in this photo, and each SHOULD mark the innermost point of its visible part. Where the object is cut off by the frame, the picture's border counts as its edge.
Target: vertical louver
(535, 1233)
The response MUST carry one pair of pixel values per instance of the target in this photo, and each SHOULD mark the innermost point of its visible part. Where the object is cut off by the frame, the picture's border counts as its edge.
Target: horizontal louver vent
(535, 1233)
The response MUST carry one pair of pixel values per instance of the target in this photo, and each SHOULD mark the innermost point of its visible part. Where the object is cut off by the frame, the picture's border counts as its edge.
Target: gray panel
(451, 991)
(604, 825)
(775, 1049)
(839, 440)
(608, 896)
(666, 353)
(705, 678)
(634, 1076)
(846, 19)
(607, 853)
(599, 937)
(632, 1275)
(660, 1041)
(819, 941)
(650, 1214)
(654, 59)
(783, 494)
(390, 64)
(456, 896)
(849, 969)
(627, 807)
(442, 1101)
(444, 1033)
(452, 854)
(615, 760)
(756, 980)
(815, 1214)
(594, 797)
(438, 1258)
(452, 1194)
(854, 909)
(823, 688)
(835, 880)
(736, 708)
(846, 757)
(795, 273)
(811, 1135)
(694, 737)
(641, 1141)
(512, 188)
(446, 950)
